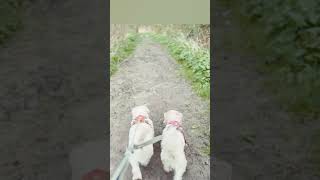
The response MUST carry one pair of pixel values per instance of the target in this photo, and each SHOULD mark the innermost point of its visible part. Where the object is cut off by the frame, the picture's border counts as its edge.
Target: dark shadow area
(54, 88)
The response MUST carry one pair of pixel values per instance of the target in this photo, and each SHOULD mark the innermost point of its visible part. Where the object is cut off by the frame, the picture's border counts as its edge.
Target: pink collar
(174, 123)
(139, 119)
(178, 126)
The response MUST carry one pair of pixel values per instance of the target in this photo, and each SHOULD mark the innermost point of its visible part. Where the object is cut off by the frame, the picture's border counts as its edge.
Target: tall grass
(122, 50)
(199, 33)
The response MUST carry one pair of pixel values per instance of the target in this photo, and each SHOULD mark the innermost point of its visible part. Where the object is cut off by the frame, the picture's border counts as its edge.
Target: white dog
(141, 131)
(172, 146)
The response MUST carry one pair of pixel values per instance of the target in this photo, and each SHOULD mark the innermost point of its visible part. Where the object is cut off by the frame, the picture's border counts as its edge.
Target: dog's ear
(133, 111)
(181, 115)
(165, 118)
(146, 109)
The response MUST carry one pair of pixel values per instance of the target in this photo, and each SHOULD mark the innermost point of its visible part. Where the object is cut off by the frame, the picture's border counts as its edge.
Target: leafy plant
(194, 60)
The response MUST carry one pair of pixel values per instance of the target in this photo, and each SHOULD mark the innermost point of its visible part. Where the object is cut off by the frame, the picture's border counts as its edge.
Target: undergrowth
(291, 31)
(10, 18)
(291, 53)
(194, 60)
(122, 49)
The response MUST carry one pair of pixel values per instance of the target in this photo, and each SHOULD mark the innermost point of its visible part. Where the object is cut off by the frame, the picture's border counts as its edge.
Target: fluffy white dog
(172, 146)
(141, 131)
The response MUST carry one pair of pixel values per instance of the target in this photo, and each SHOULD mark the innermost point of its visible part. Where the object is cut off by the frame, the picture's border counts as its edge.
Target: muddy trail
(150, 76)
(52, 96)
(252, 133)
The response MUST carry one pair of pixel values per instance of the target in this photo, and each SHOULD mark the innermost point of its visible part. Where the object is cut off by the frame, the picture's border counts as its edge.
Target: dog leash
(152, 141)
(123, 166)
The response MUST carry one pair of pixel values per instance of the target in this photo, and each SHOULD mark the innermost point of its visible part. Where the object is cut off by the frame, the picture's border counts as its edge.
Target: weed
(206, 150)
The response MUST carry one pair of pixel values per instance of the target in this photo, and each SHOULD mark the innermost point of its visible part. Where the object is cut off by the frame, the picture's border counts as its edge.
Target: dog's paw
(137, 176)
(166, 169)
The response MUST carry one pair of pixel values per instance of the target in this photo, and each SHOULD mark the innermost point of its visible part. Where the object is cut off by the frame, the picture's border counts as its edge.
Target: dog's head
(172, 115)
(140, 110)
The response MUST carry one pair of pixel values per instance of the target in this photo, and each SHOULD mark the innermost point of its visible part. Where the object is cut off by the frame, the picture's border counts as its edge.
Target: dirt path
(52, 94)
(151, 77)
(252, 133)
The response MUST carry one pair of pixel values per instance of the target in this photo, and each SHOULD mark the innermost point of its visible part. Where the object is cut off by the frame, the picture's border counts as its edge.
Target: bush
(292, 31)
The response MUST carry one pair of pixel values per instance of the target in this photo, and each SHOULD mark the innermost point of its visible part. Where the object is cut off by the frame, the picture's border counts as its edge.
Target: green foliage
(205, 150)
(291, 44)
(195, 61)
(122, 50)
(292, 31)
(10, 22)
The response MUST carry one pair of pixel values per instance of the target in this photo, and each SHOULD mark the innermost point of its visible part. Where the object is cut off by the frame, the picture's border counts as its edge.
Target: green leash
(152, 141)
(123, 166)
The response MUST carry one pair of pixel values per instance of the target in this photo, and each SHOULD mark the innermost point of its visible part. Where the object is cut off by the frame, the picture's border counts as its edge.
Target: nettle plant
(292, 31)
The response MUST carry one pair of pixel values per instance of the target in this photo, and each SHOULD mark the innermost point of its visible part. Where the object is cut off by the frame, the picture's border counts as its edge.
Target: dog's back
(172, 152)
(139, 134)
(173, 140)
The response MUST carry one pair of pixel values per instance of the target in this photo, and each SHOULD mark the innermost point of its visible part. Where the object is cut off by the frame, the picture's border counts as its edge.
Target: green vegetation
(194, 60)
(291, 49)
(10, 18)
(122, 49)
(286, 35)
(206, 150)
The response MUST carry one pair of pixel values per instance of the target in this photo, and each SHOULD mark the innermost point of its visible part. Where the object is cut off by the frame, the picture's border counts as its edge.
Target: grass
(202, 132)
(206, 150)
(122, 50)
(195, 61)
